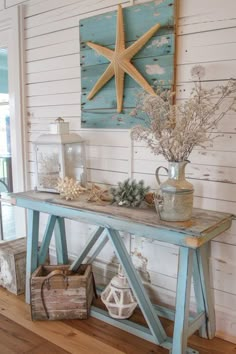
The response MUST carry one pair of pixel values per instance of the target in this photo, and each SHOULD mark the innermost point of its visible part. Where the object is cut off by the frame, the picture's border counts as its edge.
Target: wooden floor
(18, 335)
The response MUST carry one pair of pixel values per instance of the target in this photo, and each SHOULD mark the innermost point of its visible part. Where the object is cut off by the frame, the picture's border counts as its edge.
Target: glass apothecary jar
(59, 154)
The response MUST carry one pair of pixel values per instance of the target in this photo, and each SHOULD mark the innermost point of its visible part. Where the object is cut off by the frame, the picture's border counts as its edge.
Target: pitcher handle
(157, 173)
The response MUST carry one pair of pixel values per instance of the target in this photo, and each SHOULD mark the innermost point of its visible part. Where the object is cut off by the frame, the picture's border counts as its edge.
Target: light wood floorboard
(15, 339)
(18, 335)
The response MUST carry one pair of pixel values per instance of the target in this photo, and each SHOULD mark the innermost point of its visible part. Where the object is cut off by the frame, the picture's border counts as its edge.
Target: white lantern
(118, 297)
(59, 154)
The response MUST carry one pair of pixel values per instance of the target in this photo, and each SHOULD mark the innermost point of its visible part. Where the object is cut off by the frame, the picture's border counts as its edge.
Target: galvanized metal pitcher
(175, 201)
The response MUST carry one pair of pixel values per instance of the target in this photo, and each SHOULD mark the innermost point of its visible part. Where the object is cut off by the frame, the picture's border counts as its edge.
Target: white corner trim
(11, 37)
(11, 24)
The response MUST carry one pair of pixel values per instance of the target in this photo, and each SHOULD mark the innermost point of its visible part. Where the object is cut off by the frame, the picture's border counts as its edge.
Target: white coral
(69, 188)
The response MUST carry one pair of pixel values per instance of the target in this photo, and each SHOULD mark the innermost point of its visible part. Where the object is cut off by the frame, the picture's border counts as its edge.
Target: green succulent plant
(129, 193)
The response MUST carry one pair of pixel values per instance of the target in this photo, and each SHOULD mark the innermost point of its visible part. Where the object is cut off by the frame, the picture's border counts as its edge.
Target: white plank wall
(206, 34)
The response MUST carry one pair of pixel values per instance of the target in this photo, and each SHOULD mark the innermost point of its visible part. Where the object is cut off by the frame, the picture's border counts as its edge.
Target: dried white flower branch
(173, 130)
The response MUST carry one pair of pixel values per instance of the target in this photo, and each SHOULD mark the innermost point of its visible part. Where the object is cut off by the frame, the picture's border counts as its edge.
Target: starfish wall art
(122, 53)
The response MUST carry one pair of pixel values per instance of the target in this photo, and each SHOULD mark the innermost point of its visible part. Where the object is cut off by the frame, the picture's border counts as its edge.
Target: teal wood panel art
(154, 61)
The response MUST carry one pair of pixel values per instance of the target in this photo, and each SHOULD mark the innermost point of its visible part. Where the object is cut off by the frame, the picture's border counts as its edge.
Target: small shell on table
(69, 188)
(98, 194)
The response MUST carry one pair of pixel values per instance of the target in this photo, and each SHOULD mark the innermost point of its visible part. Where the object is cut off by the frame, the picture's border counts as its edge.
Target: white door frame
(11, 25)
(11, 28)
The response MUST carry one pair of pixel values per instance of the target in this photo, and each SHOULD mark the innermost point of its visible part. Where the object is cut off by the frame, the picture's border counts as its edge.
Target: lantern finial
(59, 126)
(59, 119)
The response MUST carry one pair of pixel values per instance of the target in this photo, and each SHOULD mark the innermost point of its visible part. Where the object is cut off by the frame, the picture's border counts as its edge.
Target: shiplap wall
(206, 34)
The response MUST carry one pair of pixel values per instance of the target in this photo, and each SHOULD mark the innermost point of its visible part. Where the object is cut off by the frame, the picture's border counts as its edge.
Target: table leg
(182, 301)
(199, 293)
(203, 292)
(99, 248)
(60, 239)
(135, 282)
(43, 252)
(32, 249)
(93, 239)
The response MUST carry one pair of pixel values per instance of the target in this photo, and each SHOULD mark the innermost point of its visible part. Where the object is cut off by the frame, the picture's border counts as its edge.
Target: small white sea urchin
(69, 188)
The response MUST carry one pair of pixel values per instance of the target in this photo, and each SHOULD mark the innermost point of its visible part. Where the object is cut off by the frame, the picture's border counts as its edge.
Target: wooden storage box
(12, 265)
(56, 294)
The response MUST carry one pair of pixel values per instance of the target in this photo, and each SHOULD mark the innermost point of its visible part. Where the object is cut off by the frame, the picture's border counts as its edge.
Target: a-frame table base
(185, 325)
(193, 263)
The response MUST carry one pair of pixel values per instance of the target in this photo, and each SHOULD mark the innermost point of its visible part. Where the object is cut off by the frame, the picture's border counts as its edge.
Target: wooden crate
(57, 295)
(12, 265)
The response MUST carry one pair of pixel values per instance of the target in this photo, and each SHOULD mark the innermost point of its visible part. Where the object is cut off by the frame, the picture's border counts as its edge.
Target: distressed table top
(145, 222)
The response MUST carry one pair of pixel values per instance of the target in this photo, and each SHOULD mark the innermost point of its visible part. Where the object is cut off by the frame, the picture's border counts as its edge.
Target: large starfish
(120, 61)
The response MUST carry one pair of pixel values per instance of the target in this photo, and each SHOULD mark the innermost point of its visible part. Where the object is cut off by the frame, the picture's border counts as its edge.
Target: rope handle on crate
(64, 273)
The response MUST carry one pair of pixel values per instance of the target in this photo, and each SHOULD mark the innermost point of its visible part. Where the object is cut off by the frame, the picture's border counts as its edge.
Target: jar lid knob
(59, 120)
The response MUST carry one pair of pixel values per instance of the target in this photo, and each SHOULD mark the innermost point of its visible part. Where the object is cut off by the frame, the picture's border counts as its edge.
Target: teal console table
(193, 238)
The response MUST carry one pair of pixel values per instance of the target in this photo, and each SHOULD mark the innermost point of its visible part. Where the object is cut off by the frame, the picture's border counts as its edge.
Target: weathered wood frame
(193, 261)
